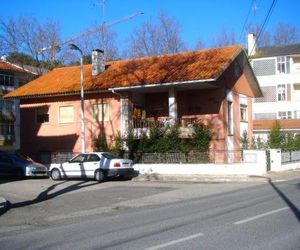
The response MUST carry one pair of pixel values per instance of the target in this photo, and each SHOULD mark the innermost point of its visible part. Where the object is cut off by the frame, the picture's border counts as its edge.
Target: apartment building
(277, 69)
(11, 77)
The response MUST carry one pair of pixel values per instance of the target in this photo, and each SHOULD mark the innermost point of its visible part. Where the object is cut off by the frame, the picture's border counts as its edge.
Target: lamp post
(74, 47)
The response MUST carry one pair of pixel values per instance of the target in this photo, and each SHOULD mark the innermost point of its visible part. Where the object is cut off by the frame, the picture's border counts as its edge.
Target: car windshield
(109, 156)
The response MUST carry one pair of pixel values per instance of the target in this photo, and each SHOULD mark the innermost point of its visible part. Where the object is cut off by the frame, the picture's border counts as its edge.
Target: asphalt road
(150, 215)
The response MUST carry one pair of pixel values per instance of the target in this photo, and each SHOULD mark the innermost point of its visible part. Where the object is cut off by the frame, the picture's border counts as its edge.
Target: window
(243, 109)
(92, 157)
(284, 115)
(42, 115)
(283, 64)
(66, 114)
(101, 112)
(7, 79)
(281, 92)
(229, 118)
(297, 114)
(7, 128)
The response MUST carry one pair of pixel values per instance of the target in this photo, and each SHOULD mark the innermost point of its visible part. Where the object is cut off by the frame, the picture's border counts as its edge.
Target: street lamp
(74, 47)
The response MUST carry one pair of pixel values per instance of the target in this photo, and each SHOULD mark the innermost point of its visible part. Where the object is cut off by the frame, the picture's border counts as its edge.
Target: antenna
(101, 28)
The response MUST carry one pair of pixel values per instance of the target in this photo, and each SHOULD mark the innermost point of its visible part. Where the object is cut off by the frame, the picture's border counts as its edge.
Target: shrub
(201, 137)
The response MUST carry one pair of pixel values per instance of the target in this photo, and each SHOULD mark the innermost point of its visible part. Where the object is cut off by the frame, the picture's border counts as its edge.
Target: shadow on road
(43, 196)
(291, 205)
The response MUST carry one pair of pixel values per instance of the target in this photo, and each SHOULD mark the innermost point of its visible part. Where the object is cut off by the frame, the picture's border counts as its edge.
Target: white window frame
(243, 113)
(281, 92)
(283, 65)
(71, 117)
(283, 115)
(97, 112)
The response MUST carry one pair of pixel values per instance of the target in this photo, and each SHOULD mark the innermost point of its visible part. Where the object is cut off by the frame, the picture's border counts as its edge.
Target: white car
(96, 165)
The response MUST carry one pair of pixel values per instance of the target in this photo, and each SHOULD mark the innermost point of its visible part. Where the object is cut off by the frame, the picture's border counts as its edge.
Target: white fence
(255, 162)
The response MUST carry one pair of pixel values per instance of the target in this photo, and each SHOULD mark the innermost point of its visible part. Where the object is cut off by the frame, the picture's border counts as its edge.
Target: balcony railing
(141, 127)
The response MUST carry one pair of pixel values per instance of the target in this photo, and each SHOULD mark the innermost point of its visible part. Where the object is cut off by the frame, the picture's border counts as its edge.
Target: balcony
(141, 127)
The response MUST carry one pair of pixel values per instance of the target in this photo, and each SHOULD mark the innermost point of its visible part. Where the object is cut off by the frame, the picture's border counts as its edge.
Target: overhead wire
(261, 30)
(246, 20)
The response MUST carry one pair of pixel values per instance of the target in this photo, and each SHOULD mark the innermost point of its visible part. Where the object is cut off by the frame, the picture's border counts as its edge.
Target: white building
(277, 69)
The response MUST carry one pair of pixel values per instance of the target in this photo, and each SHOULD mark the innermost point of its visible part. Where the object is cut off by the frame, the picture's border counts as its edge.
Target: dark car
(18, 166)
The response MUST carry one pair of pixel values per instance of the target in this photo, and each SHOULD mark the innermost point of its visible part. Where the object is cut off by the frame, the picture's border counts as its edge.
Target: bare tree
(264, 39)
(200, 44)
(104, 39)
(24, 34)
(150, 39)
(285, 34)
(224, 38)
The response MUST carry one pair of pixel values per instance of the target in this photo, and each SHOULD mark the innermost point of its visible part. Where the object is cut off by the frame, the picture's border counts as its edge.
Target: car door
(74, 167)
(6, 166)
(91, 163)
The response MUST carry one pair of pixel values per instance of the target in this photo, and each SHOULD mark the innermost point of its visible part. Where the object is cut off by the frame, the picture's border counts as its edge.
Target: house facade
(11, 77)
(213, 86)
(277, 69)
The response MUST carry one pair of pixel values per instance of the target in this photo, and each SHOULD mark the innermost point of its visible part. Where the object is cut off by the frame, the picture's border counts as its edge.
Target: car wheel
(55, 174)
(99, 175)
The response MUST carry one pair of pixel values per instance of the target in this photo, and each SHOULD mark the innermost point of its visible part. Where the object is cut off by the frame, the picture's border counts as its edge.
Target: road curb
(3, 205)
(199, 178)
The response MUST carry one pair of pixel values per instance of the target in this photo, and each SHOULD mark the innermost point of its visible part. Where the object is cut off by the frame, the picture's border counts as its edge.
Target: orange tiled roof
(268, 124)
(187, 66)
(9, 67)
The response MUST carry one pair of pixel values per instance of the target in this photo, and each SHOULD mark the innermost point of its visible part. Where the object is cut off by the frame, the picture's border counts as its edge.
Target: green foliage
(100, 143)
(276, 137)
(118, 147)
(289, 141)
(258, 143)
(245, 140)
(201, 137)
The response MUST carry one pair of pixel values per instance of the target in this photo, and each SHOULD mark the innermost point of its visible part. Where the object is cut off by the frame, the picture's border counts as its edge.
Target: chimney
(251, 44)
(4, 58)
(98, 64)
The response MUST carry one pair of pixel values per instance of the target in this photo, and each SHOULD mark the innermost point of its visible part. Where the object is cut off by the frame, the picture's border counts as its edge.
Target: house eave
(162, 85)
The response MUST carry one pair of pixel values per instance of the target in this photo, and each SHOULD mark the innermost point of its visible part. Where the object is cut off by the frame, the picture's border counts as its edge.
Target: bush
(276, 137)
(201, 137)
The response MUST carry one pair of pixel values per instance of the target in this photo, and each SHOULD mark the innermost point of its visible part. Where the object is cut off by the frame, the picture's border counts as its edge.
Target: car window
(109, 156)
(92, 157)
(78, 158)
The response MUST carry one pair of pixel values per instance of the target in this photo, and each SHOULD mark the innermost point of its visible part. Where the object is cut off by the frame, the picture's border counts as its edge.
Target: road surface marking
(260, 215)
(170, 243)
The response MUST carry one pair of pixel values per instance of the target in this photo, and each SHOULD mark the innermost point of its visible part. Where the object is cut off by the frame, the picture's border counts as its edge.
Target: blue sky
(197, 18)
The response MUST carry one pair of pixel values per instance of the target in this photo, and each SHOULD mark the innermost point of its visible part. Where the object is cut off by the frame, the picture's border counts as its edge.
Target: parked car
(96, 165)
(18, 166)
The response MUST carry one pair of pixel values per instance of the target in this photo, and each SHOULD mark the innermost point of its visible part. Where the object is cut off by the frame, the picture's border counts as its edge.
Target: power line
(246, 20)
(261, 30)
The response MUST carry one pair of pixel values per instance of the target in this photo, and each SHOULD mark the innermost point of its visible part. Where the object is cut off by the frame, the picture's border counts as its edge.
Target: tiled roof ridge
(107, 63)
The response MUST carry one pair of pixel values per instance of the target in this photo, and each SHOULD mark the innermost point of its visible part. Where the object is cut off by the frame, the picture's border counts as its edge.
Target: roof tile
(187, 66)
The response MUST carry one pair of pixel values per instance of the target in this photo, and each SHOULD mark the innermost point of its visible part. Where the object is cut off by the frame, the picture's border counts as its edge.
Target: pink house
(214, 86)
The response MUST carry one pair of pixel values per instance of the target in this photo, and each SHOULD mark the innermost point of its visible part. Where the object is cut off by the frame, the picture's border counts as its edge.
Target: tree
(276, 137)
(150, 39)
(285, 34)
(104, 39)
(224, 38)
(264, 39)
